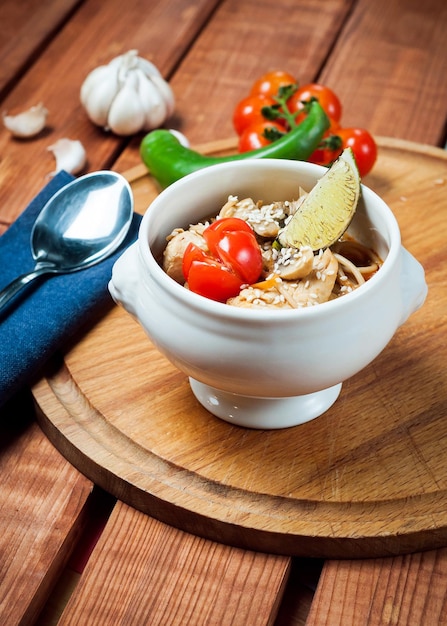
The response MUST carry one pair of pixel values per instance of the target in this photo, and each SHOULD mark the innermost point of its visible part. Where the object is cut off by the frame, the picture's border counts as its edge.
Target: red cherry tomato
(192, 253)
(269, 83)
(234, 259)
(253, 136)
(248, 111)
(233, 242)
(363, 146)
(208, 277)
(240, 252)
(330, 146)
(226, 224)
(326, 97)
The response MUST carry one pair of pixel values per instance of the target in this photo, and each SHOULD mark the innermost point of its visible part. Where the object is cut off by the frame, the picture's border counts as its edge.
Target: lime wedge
(327, 210)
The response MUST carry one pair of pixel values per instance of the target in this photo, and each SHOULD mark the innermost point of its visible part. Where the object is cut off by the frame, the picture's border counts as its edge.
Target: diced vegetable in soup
(236, 258)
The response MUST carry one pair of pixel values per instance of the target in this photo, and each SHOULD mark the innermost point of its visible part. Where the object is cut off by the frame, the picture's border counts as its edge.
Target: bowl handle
(413, 285)
(123, 286)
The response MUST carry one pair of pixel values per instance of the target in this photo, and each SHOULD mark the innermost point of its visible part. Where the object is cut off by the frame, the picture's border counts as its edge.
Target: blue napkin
(51, 310)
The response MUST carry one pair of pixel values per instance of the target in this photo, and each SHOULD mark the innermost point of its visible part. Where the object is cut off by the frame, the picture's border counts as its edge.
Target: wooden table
(70, 553)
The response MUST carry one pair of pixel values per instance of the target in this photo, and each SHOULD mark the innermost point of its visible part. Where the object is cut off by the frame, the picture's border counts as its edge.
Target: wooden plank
(299, 592)
(24, 28)
(144, 572)
(389, 68)
(43, 509)
(96, 33)
(243, 41)
(404, 590)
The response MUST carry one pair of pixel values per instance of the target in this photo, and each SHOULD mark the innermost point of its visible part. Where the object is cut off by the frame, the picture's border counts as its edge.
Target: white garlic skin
(70, 155)
(181, 137)
(128, 95)
(28, 123)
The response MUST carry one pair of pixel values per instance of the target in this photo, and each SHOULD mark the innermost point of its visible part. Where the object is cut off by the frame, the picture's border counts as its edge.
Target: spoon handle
(11, 290)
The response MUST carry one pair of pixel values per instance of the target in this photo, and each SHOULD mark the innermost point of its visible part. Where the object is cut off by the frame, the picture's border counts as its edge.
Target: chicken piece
(178, 241)
(255, 298)
(317, 286)
(265, 219)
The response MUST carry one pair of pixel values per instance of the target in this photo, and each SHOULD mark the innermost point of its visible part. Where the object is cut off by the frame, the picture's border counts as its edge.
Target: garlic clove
(180, 136)
(103, 72)
(128, 62)
(148, 67)
(126, 115)
(151, 102)
(70, 155)
(99, 90)
(168, 95)
(28, 123)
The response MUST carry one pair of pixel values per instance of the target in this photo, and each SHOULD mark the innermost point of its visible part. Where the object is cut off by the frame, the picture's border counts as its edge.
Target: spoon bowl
(82, 224)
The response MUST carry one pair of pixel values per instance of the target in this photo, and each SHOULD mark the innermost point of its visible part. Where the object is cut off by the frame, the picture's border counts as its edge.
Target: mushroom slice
(317, 286)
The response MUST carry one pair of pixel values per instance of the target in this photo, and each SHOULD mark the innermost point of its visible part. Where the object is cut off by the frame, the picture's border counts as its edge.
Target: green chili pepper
(168, 160)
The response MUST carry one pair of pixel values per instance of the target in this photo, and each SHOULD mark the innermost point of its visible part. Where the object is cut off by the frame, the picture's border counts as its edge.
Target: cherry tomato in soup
(253, 137)
(248, 111)
(192, 253)
(240, 252)
(224, 225)
(363, 146)
(208, 277)
(233, 242)
(269, 83)
(325, 96)
(234, 259)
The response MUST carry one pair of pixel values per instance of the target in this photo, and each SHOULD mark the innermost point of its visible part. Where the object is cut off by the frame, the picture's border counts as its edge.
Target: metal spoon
(82, 224)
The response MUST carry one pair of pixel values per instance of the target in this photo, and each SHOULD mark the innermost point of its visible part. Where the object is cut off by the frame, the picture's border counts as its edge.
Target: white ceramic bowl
(265, 368)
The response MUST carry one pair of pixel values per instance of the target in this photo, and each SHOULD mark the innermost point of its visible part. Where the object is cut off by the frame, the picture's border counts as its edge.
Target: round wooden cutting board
(368, 478)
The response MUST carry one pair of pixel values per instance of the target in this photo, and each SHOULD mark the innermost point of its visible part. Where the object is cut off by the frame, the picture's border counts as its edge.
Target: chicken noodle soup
(288, 278)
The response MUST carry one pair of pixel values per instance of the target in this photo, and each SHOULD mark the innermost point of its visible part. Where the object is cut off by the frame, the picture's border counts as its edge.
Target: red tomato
(363, 146)
(253, 136)
(234, 259)
(269, 83)
(233, 242)
(326, 97)
(330, 146)
(226, 224)
(248, 111)
(192, 253)
(209, 278)
(240, 252)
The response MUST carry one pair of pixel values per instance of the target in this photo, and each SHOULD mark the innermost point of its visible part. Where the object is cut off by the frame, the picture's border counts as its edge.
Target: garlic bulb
(127, 96)
(70, 155)
(28, 123)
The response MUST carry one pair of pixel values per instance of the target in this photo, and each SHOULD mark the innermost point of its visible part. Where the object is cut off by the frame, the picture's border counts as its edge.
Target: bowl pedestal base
(264, 413)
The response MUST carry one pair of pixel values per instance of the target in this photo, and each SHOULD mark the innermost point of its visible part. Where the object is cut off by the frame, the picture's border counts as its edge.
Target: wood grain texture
(43, 509)
(389, 69)
(95, 34)
(24, 29)
(243, 41)
(365, 479)
(405, 590)
(386, 32)
(144, 572)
